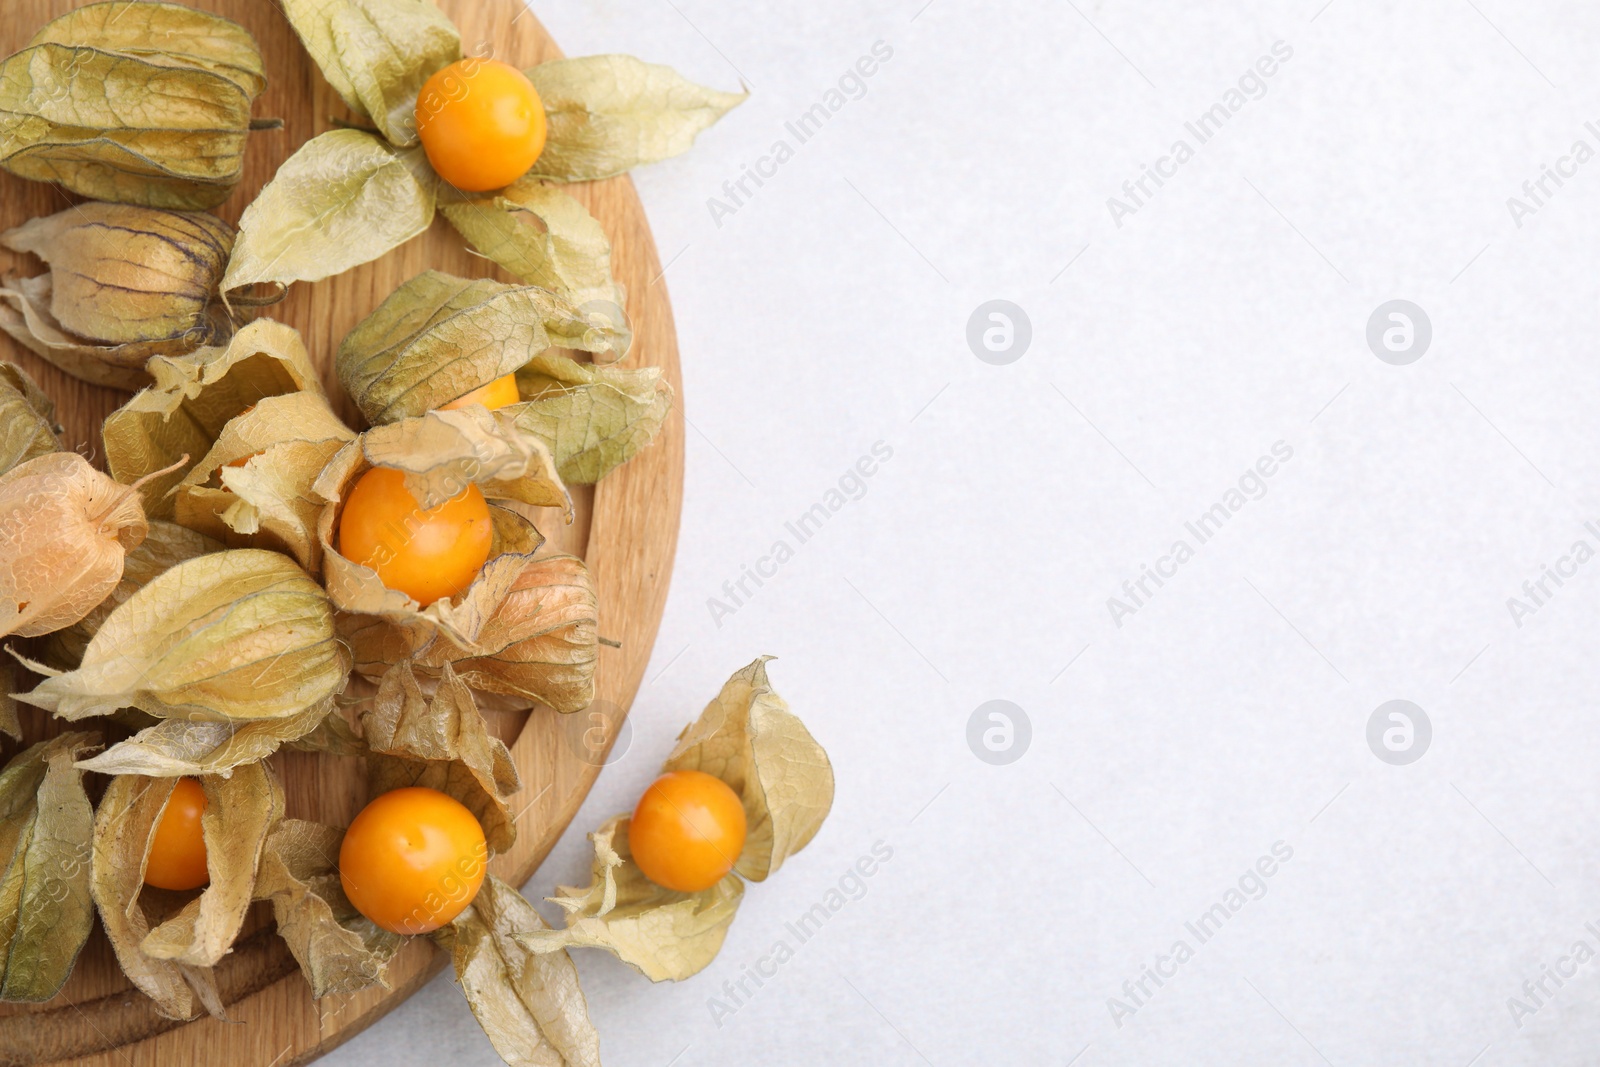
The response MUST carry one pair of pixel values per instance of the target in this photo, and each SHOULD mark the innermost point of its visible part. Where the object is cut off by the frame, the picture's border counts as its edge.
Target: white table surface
(1229, 712)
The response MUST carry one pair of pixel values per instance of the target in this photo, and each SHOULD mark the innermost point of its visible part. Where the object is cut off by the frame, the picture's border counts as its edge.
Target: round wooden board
(626, 529)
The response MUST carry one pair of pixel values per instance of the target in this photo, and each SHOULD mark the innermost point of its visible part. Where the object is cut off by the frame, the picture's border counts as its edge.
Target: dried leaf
(439, 337)
(165, 545)
(178, 747)
(236, 635)
(25, 316)
(345, 198)
(750, 739)
(664, 934)
(536, 644)
(164, 33)
(45, 909)
(594, 419)
(608, 114)
(27, 418)
(338, 949)
(106, 111)
(530, 1005)
(123, 273)
(253, 489)
(542, 235)
(124, 825)
(240, 811)
(377, 54)
(541, 642)
(193, 399)
(64, 531)
(440, 741)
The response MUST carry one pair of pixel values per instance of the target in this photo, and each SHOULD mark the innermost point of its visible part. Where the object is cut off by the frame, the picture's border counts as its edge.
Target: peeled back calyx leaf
(377, 54)
(253, 489)
(140, 103)
(27, 418)
(174, 747)
(45, 908)
(593, 418)
(232, 636)
(64, 531)
(538, 643)
(439, 337)
(125, 283)
(542, 235)
(339, 950)
(124, 828)
(193, 398)
(608, 114)
(664, 934)
(750, 739)
(241, 810)
(440, 741)
(530, 1005)
(344, 199)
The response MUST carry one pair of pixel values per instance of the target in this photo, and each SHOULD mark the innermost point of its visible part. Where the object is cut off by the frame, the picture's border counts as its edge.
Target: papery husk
(165, 545)
(539, 644)
(27, 418)
(344, 198)
(542, 235)
(141, 124)
(45, 908)
(339, 950)
(283, 443)
(594, 419)
(439, 337)
(530, 1005)
(193, 398)
(64, 531)
(663, 934)
(750, 739)
(123, 274)
(237, 635)
(25, 316)
(164, 33)
(441, 453)
(241, 810)
(608, 114)
(439, 740)
(124, 826)
(178, 747)
(377, 54)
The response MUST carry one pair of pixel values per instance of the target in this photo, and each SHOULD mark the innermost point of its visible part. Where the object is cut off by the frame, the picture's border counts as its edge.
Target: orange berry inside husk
(413, 860)
(428, 554)
(687, 831)
(482, 124)
(177, 857)
(502, 392)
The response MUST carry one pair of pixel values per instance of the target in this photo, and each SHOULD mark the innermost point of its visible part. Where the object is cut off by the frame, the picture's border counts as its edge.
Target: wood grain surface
(626, 529)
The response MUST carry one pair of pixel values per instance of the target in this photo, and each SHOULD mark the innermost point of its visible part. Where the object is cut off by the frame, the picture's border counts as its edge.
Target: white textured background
(829, 313)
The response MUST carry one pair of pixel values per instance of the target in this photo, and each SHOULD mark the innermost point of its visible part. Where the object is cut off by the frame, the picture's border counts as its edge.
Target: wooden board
(626, 529)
